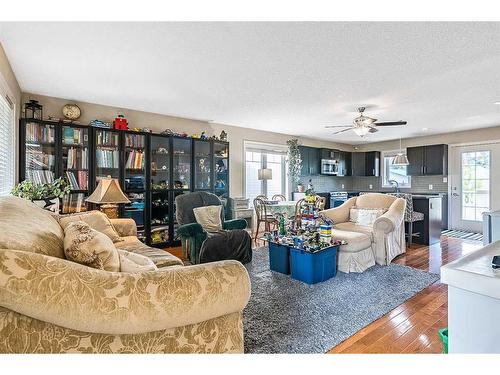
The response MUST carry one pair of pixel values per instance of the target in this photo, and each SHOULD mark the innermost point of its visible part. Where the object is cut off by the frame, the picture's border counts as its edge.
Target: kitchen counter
(473, 302)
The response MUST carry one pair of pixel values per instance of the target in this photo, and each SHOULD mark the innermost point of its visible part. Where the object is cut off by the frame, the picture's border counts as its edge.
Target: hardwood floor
(411, 327)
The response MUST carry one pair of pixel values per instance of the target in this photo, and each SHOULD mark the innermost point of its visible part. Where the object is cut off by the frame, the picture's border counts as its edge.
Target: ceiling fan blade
(373, 130)
(338, 126)
(390, 123)
(341, 131)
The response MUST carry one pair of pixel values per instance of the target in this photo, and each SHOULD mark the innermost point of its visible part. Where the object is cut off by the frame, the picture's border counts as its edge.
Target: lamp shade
(108, 191)
(400, 159)
(265, 174)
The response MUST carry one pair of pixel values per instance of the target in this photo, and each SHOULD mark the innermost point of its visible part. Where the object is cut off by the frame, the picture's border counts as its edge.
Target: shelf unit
(152, 169)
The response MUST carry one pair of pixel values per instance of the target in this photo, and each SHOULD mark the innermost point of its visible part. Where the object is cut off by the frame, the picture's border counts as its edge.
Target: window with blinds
(7, 151)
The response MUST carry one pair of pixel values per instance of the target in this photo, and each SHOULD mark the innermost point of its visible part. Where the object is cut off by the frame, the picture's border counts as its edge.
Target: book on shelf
(74, 136)
(39, 133)
(135, 140)
(135, 160)
(73, 203)
(109, 139)
(107, 158)
(77, 158)
(38, 159)
(39, 176)
(78, 180)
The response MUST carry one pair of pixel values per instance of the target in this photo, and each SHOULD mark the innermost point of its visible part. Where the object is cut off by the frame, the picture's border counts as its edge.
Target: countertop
(474, 273)
(415, 195)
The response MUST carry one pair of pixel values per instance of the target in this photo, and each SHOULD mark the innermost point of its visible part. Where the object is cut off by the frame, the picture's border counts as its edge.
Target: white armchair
(387, 235)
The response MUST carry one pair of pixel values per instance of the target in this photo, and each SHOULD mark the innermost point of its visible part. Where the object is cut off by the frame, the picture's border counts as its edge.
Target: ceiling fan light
(400, 159)
(361, 130)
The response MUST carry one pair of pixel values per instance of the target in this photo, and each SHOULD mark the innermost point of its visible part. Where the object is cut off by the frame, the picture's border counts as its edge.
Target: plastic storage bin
(313, 268)
(443, 333)
(279, 258)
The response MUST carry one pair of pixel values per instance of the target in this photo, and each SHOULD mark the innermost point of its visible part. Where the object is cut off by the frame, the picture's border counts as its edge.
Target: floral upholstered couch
(51, 305)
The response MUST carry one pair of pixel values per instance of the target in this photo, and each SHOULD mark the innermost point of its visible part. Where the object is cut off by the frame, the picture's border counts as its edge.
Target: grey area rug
(288, 316)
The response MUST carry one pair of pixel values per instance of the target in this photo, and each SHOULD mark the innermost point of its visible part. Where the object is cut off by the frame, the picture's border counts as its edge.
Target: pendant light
(400, 158)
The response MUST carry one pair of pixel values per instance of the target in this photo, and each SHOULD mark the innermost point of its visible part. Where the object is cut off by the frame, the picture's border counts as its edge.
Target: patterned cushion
(89, 247)
(417, 216)
(95, 219)
(160, 258)
(134, 263)
(209, 218)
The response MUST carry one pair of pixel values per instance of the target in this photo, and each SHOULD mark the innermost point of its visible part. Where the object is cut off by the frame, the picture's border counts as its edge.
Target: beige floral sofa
(51, 305)
(369, 244)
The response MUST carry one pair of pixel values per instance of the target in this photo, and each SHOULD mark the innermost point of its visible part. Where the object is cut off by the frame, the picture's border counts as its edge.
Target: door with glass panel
(472, 176)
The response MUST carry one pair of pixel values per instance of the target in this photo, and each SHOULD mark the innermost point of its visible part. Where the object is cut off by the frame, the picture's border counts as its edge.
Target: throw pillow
(86, 246)
(96, 220)
(367, 217)
(209, 218)
(135, 263)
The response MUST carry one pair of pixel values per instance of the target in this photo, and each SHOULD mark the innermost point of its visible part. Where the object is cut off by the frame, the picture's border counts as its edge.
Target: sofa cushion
(209, 218)
(135, 263)
(356, 213)
(25, 226)
(160, 258)
(86, 246)
(355, 241)
(95, 219)
(353, 227)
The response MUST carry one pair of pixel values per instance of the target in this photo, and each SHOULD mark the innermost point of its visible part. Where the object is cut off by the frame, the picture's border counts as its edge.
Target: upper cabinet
(428, 160)
(366, 163)
(310, 160)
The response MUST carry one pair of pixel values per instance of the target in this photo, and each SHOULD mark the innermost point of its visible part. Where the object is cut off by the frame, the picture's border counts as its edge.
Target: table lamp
(108, 194)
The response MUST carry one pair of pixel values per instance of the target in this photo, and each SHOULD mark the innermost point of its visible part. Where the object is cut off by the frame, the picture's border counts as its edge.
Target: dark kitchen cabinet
(344, 164)
(310, 160)
(428, 160)
(366, 163)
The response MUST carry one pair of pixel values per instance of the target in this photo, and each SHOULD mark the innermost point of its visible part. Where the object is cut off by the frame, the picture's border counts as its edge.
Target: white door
(472, 174)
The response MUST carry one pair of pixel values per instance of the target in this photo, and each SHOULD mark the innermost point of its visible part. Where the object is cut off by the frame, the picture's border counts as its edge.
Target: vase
(300, 188)
(49, 204)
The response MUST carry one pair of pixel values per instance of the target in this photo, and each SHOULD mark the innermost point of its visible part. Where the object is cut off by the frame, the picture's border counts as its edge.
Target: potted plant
(300, 187)
(294, 162)
(44, 195)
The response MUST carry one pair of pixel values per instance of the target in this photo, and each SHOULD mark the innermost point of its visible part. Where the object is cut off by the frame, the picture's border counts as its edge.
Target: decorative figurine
(100, 124)
(196, 136)
(146, 130)
(223, 136)
(33, 110)
(167, 132)
(203, 135)
(120, 123)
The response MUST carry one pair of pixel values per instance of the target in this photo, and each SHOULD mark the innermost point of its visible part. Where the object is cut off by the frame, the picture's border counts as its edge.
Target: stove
(337, 198)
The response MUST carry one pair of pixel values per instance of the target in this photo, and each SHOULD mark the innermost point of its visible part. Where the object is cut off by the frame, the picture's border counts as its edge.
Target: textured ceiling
(292, 78)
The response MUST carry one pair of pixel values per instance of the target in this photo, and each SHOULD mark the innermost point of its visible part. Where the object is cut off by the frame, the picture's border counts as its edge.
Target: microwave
(329, 166)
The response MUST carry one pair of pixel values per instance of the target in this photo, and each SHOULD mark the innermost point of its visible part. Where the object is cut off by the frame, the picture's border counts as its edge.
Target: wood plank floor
(411, 327)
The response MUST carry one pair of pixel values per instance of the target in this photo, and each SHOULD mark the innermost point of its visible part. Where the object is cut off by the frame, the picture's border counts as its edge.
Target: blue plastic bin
(312, 268)
(279, 258)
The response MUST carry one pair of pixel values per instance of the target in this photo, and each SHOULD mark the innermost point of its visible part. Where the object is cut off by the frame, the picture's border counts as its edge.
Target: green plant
(294, 160)
(28, 190)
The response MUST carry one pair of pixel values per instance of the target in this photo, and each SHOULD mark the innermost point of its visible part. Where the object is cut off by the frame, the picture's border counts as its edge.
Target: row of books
(36, 159)
(77, 158)
(78, 180)
(135, 140)
(135, 160)
(74, 136)
(108, 158)
(39, 133)
(38, 176)
(105, 138)
(73, 203)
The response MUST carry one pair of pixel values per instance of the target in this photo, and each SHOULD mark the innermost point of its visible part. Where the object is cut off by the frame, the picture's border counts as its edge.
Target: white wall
(156, 122)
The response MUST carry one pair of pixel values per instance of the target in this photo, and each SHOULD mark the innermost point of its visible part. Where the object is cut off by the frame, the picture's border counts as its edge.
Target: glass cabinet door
(135, 180)
(202, 165)
(176, 225)
(107, 154)
(160, 163)
(160, 218)
(40, 163)
(75, 167)
(221, 167)
(181, 153)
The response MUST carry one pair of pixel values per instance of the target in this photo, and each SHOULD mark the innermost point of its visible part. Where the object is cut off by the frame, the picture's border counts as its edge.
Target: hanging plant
(294, 160)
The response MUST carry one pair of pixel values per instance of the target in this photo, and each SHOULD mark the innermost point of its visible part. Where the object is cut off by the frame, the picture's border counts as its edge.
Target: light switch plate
(342, 186)
(371, 186)
(445, 179)
(431, 186)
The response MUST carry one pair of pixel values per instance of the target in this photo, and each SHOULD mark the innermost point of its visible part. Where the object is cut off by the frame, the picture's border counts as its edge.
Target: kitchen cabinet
(429, 228)
(366, 163)
(427, 160)
(344, 164)
(310, 160)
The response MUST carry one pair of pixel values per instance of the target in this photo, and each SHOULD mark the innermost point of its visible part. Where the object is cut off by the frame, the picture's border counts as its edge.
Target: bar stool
(410, 215)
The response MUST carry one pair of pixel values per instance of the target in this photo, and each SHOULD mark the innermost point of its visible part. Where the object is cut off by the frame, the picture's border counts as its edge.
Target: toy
(196, 136)
(223, 136)
(120, 123)
(146, 130)
(100, 124)
(167, 132)
(203, 135)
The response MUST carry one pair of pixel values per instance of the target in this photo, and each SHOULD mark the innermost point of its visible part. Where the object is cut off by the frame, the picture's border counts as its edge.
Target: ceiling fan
(362, 125)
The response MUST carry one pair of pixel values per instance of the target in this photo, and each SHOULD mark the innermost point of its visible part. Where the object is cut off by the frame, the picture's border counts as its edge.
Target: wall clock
(71, 111)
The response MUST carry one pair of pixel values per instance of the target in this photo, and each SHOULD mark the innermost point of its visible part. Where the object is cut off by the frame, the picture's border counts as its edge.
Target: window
(258, 156)
(475, 185)
(393, 172)
(7, 150)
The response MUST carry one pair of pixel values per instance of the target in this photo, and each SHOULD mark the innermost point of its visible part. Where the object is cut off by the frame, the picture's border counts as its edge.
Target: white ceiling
(291, 78)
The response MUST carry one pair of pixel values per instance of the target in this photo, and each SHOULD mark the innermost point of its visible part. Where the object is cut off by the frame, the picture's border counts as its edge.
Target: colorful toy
(120, 123)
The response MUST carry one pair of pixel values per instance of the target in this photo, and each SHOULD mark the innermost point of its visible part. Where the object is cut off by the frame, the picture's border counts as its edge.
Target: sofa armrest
(235, 224)
(392, 219)
(78, 297)
(125, 227)
(341, 213)
(189, 230)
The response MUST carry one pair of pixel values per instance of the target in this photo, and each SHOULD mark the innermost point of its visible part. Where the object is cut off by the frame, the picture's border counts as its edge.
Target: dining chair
(410, 215)
(279, 197)
(298, 210)
(262, 216)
